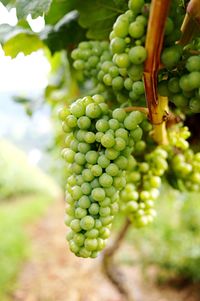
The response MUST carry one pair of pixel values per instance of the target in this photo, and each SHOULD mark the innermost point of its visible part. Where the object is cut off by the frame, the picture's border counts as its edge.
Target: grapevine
(118, 151)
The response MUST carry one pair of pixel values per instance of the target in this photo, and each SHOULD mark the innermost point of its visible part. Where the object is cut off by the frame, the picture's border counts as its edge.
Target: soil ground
(53, 273)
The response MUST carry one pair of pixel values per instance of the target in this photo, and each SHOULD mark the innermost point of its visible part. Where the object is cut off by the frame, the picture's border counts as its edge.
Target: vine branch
(191, 22)
(154, 43)
(109, 267)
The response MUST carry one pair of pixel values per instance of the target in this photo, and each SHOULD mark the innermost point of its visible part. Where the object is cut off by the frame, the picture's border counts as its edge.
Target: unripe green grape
(83, 147)
(108, 140)
(113, 124)
(114, 71)
(87, 175)
(138, 87)
(107, 79)
(94, 209)
(84, 253)
(120, 27)
(96, 170)
(84, 201)
(79, 239)
(95, 183)
(179, 100)
(193, 63)
(119, 114)
(122, 60)
(103, 161)
(71, 121)
(117, 83)
(136, 30)
(173, 85)
(169, 26)
(117, 45)
(171, 56)
(84, 122)
(106, 202)
(93, 111)
(102, 125)
(98, 194)
(137, 55)
(89, 137)
(136, 5)
(111, 153)
(87, 222)
(135, 72)
(194, 105)
(110, 191)
(77, 109)
(105, 180)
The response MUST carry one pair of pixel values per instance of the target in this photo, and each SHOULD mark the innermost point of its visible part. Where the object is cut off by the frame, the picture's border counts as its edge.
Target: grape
(93, 111)
(194, 105)
(118, 45)
(193, 63)
(122, 60)
(171, 56)
(121, 27)
(136, 5)
(105, 180)
(136, 30)
(107, 140)
(137, 55)
(117, 83)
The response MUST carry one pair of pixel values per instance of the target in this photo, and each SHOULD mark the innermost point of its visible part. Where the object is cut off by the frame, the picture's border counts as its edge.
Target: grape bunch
(89, 55)
(183, 87)
(142, 189)
(99, 146)
(184, 163)
(127, 46)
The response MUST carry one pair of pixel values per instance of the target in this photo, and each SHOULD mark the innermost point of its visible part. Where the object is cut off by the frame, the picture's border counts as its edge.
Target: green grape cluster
(142, 189)
(127, 46)
(89, 56)
(184, 163)
(183, 87)
(99, 145)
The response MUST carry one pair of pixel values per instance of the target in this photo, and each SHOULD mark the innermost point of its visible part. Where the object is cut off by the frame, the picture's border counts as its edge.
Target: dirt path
(54, 274)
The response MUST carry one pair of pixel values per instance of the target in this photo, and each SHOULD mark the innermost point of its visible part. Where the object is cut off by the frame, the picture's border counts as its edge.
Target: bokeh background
(159, 263)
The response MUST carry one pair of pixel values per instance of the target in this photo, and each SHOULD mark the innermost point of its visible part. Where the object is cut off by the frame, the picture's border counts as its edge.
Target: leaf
(58, 9)
(65, 34)
(21, 99)
(98, 16)
(9, 2)
(34, 7)
(17, 39)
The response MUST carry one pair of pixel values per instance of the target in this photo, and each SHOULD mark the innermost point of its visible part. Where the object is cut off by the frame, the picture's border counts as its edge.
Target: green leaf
(17, 39)
(58, 9)
(65, 34)
(98, 16)
(9, 2)
(34, 7)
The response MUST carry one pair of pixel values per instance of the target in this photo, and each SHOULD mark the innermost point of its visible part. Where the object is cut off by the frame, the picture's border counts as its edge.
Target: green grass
(15, 244)
(18, 176)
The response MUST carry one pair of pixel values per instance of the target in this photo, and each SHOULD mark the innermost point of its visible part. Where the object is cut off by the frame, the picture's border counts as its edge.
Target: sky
(24, 76)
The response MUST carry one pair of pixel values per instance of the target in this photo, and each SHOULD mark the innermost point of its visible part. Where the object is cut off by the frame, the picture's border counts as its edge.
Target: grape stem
(154, 43)
(141, 109)
(109, 267)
